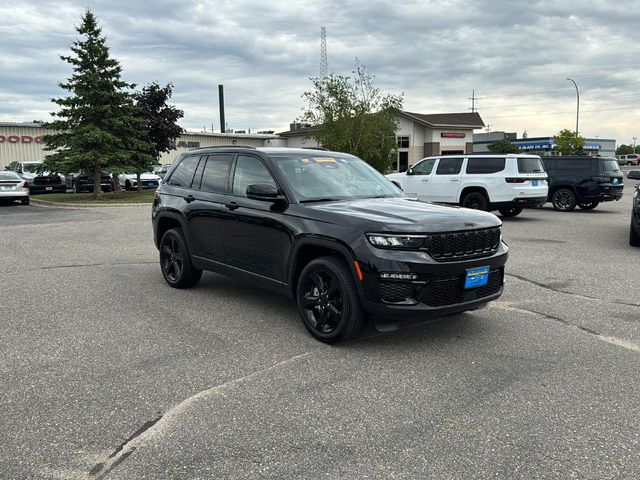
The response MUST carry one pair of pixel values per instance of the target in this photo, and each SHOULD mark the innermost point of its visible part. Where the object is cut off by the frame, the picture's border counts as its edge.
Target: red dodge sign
(19, 139)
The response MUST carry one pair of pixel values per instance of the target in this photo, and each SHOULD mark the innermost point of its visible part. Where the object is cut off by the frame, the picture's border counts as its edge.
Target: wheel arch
(167, 221)
(473, 188)
(559, 186)
(308, 249)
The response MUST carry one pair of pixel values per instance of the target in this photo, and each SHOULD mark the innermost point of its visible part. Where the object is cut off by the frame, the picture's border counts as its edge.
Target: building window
(403, 142)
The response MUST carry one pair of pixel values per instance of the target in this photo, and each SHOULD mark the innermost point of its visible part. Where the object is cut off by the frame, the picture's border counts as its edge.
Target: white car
(13, 187)
(506, 183)
(129, 181)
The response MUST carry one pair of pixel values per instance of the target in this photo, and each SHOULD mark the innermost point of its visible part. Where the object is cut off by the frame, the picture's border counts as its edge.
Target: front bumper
(437, 290)
(610, 193)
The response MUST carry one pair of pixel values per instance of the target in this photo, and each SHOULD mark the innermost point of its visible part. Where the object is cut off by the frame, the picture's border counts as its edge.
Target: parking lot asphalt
(106, 372)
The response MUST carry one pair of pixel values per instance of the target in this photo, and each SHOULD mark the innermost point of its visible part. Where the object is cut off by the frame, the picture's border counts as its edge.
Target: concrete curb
(47, 203)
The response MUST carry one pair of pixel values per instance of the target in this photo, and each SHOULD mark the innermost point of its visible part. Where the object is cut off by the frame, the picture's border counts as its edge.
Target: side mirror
(410, 171)
(634, 174)
(263, 191)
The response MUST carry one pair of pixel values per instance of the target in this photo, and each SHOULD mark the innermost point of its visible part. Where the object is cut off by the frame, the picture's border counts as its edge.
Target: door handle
(454, 179)
(189, 198)
(232, 205)
(424, 180)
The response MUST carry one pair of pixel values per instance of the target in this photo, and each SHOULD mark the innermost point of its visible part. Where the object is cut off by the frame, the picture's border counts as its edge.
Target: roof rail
(315, 148)
(225, 146)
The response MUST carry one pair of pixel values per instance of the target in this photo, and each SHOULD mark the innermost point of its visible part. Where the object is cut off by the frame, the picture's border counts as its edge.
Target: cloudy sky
(515, 54)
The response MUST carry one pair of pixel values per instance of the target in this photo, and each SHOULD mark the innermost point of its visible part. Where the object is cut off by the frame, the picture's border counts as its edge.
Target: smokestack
(223, 127)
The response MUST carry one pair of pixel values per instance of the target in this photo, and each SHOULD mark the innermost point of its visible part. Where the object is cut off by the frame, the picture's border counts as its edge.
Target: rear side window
(184, 172)
(574, 166)
(216, 173)
(485, 165)
(449, 166)
(530, 165)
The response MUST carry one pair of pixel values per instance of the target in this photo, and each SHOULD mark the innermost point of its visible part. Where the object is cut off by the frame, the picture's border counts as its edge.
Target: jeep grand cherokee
(327, 229)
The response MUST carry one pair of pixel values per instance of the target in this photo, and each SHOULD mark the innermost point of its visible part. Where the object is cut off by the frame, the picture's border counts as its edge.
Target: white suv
(630, 159)
(506, 183)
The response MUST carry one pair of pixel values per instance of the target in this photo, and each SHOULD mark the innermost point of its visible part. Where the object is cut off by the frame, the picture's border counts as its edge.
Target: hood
(403, 214)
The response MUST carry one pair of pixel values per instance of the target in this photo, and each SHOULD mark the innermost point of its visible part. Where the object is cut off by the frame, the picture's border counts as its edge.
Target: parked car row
(510, 182)
(629, 159)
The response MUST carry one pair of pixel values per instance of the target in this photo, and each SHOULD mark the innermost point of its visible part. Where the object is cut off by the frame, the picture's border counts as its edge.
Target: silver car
(14, 187)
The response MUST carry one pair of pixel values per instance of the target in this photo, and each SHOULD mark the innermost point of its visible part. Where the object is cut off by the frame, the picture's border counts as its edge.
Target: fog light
(399, 276)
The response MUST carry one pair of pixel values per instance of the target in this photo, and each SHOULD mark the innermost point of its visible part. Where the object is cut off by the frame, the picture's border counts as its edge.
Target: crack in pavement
(80, 265)
(579, 295)
(620, 342)
(153, 427)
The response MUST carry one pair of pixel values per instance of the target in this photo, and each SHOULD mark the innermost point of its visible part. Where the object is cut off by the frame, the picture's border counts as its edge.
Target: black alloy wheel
(175, 261)
(127, 185)
(510, 211)
(476, 201)
(588, 205)
(564, 200)
(328, 301)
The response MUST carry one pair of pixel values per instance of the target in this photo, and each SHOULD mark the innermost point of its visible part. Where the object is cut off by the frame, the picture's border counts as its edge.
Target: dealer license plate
(48, 189)
(476, 277)
(534, 183)
(150, 184)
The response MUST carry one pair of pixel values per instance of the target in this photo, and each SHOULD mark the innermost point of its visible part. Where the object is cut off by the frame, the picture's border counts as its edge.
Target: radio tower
(323, 52)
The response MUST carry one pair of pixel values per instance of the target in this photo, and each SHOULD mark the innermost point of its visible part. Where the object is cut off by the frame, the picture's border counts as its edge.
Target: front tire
(634, 238)
(588, 205)
(476, 201)
(175, 261)
(510, 211)
(564, 200)
(328, 301)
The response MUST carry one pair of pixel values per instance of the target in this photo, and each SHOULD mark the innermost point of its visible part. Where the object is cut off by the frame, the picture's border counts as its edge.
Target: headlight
(385, 240)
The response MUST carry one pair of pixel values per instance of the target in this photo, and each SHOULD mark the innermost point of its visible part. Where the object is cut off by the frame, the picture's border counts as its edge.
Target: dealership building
(23, 142)
(418, 136)
(604, 147)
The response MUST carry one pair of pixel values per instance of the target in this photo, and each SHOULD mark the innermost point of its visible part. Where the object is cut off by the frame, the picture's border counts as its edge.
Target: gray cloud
(515, 54)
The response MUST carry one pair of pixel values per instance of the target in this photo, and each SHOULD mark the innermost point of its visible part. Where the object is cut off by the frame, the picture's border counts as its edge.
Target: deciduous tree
(503, 146)
(354, 116)
(569, 142)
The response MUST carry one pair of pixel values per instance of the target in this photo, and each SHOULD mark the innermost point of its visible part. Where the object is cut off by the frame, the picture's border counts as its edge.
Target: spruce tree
(97, 125)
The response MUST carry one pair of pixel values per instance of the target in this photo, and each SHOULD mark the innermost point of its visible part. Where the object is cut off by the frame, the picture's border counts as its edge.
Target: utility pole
(489, 127)
(473, 101)
(634, 144)
(577, 103)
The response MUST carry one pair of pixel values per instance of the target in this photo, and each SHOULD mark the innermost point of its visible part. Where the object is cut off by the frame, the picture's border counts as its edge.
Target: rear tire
(510, 212)
(476, 201)
(175, 261)
(588, 205)
(328, 301)
(634, 238)
(564, 200)
(26, 201)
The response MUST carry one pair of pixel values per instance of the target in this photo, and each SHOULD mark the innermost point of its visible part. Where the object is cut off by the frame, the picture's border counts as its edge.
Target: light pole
(634, 144)
(577, 104)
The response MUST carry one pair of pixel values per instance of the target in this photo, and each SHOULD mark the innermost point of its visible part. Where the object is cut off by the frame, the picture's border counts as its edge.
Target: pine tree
(97, 125)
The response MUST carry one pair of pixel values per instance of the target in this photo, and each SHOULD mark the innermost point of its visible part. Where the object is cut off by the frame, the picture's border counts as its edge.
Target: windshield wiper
(325, 199)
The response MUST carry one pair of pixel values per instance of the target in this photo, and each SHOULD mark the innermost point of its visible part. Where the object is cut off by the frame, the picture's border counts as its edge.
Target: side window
(249, 170)
(184, 172)
(574, 166)
(424, 168)
(449, 166)
(216, 173)
(485, 165)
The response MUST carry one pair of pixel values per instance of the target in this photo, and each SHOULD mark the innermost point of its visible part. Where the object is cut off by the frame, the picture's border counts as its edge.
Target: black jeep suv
(634, 228)
(583, 181)
(327, 229)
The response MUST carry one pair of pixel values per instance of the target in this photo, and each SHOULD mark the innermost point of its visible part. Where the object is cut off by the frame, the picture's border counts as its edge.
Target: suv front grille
(450, 291)
(449, 247)
(47, 181)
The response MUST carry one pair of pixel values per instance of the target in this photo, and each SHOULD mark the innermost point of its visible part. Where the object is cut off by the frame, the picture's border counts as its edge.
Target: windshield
(9, 176)
(30, 167)
(530, 165)
(332, 177)
(610, 166)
